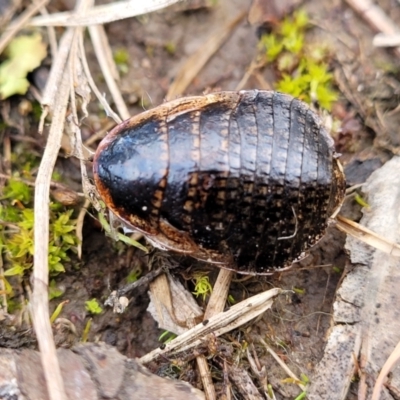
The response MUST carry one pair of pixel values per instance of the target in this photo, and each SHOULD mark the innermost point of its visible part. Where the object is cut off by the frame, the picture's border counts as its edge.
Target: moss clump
(16, 230)
(302, 69)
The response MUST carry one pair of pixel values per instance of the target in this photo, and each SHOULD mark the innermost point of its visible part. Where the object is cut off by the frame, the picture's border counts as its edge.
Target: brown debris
(267, 14)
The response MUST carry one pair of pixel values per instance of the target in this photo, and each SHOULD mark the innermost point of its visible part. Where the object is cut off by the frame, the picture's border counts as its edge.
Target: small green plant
(170, 48)
(16, 230)
(133, 275)
(270, 391)
(304, 379)
(58, 310)
(85, 334)
(121, 58)
(202, 286)
(17, 223)
(302, 69)
(360, 200)
(299, 290)
(93, 307)
(118, 235)
(301, 396)
(54, 291)
(337, 270)
(303, 383)
(167, 337)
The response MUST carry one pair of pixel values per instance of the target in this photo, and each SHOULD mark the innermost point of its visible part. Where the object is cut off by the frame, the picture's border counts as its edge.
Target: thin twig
(143, 281)
(9, 11)
(375, 16)
(283, 365)
(215, 305)
(75, 129)
(99, 134)
(52, 88)
(94, 87)
(51, 32)
(7, 165)
(19, 23)
(254, 66)
(103, 14)
(389, 364)
(108, 68)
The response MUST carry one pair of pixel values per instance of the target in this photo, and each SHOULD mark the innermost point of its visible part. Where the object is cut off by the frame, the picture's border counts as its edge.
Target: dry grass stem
(19, 23)
(205, 376)
(100, 134)
(93, 85)
(9, 12)
(56, 99)
(51, 32)
(81, 86)
(254, 66)
(283, 365)
(79, 226)
(51, 91)
(375, 16)
(382, 40)
(78, 84)
(108, 67)
(367, 236)
(103, 14)
(104, 46)
(215, 305)
(3, 292)
(39, 301)
(219, 324)
(218, 297)
(195, 63)
(6, 163)
(244, 384)
(389, 364)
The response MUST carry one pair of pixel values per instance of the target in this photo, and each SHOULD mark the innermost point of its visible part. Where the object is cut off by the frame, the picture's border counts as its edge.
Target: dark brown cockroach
(247, 180)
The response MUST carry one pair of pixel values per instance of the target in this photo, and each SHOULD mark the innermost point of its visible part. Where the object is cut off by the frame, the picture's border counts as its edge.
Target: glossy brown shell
(246, 179)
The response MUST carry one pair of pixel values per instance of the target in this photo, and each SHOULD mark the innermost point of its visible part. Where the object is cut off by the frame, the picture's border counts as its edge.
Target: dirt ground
(297, 326)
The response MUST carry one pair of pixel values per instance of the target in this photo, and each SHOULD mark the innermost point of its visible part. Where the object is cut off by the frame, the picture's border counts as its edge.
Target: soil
(158, 44)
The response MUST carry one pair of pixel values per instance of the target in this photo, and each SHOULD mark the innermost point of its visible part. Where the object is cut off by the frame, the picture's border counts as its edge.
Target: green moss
(170, 48)
(93, 307)
(54, 291)
(302, 71)
(17, 223)
(121, 58)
